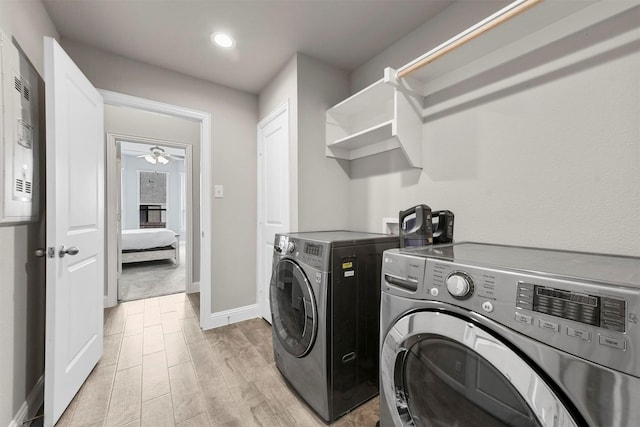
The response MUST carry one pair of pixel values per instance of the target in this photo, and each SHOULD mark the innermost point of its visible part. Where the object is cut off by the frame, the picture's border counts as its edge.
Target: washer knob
(291, 247)
(459, 285)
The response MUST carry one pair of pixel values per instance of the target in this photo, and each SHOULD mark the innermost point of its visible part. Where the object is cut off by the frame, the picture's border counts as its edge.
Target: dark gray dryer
(325, 302)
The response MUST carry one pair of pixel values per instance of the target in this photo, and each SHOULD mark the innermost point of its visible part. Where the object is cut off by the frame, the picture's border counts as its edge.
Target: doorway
(201, 211)
(155, 221)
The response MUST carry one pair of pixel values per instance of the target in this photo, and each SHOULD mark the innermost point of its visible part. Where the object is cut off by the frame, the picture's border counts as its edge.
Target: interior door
(273, 195)
(75, 229)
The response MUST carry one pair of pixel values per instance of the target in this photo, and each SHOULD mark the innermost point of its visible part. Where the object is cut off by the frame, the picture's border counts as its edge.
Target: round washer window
(448, 384)
(293, 308)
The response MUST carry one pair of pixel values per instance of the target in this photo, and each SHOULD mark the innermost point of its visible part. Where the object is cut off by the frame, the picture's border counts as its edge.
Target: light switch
(218, 191)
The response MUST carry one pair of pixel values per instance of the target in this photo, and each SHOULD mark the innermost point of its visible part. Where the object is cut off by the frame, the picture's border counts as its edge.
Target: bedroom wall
(22, 282)
(135, 122)
(551, 162)
(131, 165)
(233, 161)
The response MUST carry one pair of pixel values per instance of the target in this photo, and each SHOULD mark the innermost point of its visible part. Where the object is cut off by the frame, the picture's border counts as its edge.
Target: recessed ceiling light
(223, 40)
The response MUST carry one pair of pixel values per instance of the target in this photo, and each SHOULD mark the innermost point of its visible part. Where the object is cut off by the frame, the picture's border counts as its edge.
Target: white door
(75, 223)
(273, 195)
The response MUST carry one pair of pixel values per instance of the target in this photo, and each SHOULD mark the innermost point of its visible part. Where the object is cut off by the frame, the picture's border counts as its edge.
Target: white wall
(284, 88)
(323, 183)
(22, 277)
(319, 185)
(552, 161)
(233, 161)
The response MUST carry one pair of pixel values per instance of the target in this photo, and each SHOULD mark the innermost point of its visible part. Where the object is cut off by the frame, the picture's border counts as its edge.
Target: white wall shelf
(390, 113)
(367, 123)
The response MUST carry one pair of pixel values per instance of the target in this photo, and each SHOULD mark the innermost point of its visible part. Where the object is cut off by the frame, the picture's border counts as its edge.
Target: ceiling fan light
(149, 158)
(163, 160)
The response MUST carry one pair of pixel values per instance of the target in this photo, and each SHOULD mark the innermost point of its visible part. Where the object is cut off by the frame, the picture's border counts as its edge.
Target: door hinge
(51, 252)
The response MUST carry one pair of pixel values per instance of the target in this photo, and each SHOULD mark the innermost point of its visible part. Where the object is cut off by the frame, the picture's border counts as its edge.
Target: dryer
(325, 302)
(489, 335)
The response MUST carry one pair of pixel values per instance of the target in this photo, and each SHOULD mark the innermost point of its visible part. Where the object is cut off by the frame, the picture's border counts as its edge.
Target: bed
(150, 244)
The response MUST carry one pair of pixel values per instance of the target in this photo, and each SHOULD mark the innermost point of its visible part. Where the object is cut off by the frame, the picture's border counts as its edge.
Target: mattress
(147, 238)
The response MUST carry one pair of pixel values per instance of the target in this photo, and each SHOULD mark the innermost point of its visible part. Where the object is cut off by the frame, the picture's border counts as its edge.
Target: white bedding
(147, 238)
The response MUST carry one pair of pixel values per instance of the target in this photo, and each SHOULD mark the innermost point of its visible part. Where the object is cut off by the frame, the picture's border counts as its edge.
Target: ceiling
(174, 34)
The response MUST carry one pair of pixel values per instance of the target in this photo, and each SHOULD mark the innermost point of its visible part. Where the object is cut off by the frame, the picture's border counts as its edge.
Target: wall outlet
(218, 191)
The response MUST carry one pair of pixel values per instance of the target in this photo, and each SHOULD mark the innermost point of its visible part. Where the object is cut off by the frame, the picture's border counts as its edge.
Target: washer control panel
(309, 253)
(594, 321)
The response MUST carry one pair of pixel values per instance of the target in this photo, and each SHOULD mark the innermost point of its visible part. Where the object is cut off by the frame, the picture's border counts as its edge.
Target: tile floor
(159, 368)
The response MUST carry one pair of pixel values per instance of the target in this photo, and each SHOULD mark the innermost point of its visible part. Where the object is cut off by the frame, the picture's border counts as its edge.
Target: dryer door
(293, 308)
(438, 369)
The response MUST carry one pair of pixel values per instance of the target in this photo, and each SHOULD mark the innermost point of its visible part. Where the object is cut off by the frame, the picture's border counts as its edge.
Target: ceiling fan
(158, 156)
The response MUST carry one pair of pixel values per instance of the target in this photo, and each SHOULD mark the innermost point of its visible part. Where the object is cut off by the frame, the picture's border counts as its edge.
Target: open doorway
(154, 218)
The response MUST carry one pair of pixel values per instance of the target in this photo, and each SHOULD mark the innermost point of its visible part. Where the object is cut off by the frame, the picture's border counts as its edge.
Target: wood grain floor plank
(170, 322)
(134, 324)
(125, 397)
(176, 348)
(130, 352)
(220, 377)
(219, 402)
(157, 412)
(201, 420)
(114, 320)
(167, 304)
(191, 330)
(184, 309)
(155, 376)
(202, 359)
(110, 350)
(153, 340)
(151, 312)
(185, 393)
(93, 398)
(134, 307)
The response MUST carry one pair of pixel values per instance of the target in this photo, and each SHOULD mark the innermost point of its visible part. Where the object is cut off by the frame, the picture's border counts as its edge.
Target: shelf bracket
(391, 78)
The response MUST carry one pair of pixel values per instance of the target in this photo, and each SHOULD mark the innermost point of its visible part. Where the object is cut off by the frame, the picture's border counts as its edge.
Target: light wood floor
(159, 368)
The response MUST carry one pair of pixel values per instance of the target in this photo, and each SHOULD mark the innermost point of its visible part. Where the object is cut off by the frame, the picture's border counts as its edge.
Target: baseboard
(30, 406)
(228, 317)
(195, 287)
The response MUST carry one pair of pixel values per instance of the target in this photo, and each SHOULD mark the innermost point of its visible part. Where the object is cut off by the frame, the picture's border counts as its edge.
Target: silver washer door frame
(411, 328)
(291, 345)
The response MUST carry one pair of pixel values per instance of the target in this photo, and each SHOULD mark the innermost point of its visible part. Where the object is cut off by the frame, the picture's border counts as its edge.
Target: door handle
(71, 251)
(48, 252)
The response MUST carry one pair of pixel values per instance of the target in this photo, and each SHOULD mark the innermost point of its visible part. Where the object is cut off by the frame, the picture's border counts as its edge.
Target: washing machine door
(438, 369)
(293, 308)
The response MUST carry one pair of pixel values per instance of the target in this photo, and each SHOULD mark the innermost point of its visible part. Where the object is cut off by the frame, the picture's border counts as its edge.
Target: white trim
(119, 99)
(235, 315)
(30, 407)
(195, 287)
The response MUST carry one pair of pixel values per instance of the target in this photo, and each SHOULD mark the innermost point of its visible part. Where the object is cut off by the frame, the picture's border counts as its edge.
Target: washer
(325, 302)
(488, 335)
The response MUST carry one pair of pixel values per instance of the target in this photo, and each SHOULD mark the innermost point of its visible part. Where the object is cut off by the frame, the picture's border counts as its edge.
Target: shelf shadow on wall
(598, 33)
